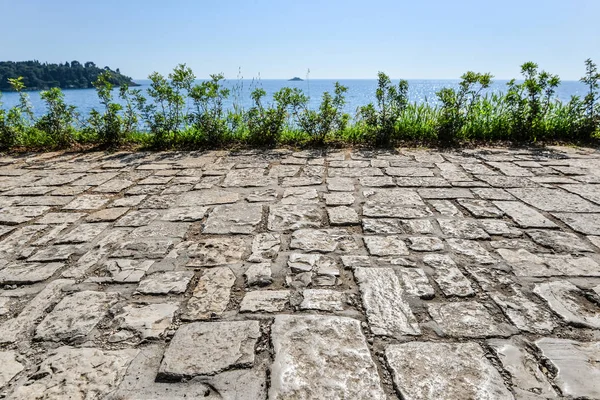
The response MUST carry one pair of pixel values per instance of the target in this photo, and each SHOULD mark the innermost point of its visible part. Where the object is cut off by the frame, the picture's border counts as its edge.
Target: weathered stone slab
(454, 193)
(87, 202)
(161, 229)
(148, 321)
(570, 303)
(563, 242)
(170, 282)
(481, 208)
(55, 253)
(396, 203)
(577, 365)
(301, 195)
(462, 229)
(15, 215)
(385, 245)
(83, 233)
(499, 181)
(422, 182)
(340, 184)
(129, 201)
(184, 214)
(588, 224)
(293, 217)
(447, 275)
(125, 270)
(10, 367)
(75, 316)
(587, 191)
(265, 301)
(383, 226)
(415, 283)
(323, 240)
(524, 313)
(468, 319)
(214, 252)
(556, 200)
(527, 378)
(352, 172)
(322, 300)
(233, 219)
(206, 197)
(377, 181)
(524, 216)
(89, 372)
(113, 186)
(107, 215)
(425, 243)
(259, 274)
(248, 177)
(16, 328)
(138, 218)
(492, 194)
(382, 296)
(472, 250)
(301, 371)
(440, 371)
(211, 295)
(218, 346)
(342, 216)
(408, 171)
(446, 208)
(265, 246)
(19, 273)
(264, 195)
(339, 199)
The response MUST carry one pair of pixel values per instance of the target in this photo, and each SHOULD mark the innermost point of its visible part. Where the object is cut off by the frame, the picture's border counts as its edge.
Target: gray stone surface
(386, 245)
(148, 321)
(233, 219)
(217, 346)
(211, 295)
(322, 300)
(75, 316)
(577, 363)
(523, 215)
(342, 216)
(293, 217)
(28, 273)
(588, 224)
(447, 275)
(10, 367)
(382, 296)
(570, 303)
(305, 348)
(468, 319)
(265, 301)
(174, 282)
(444, 371)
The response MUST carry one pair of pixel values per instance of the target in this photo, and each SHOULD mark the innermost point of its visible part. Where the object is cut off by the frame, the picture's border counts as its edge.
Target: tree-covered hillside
(70, 75)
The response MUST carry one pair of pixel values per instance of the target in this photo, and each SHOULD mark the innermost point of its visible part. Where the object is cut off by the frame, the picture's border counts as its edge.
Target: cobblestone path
(295, 275)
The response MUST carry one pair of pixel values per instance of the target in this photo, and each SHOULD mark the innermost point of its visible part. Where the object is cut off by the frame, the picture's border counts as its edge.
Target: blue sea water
(360, 92)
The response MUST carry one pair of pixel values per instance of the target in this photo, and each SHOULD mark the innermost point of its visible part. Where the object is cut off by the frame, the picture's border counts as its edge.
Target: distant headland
(296, 79)
(70, 75)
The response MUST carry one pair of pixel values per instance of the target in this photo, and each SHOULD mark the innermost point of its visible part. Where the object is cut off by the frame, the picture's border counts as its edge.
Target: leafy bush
(265, 124)
(57, 123)
(381, 121)
(15, 122)
(208, 117)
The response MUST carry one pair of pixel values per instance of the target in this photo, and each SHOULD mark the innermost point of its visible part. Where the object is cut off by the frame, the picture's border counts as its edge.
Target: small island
(296, 79)
(70, 75)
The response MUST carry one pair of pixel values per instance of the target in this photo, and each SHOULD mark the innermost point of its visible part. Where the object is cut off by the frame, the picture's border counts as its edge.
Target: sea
(360, 92)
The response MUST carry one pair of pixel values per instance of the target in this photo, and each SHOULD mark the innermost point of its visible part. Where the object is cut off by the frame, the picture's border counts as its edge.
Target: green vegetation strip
(526, 112)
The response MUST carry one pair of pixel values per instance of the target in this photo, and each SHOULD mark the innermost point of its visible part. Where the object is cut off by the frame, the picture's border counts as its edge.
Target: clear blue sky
(282, 38)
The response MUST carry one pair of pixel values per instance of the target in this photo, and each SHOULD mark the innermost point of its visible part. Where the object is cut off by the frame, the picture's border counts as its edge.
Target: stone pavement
(470, 274)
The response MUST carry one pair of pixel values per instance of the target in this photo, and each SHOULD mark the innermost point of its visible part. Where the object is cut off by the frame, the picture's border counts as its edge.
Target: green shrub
(265, 124)
(58, 121)
(208, 117)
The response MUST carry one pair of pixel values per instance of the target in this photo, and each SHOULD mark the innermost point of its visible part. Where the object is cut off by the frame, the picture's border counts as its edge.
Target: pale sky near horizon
(429, 39)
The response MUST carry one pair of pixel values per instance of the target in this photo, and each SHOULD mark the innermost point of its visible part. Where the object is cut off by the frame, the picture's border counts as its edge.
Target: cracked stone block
(215, 252)
(471, 250)
(184, 214)
(113, 186)
(248, 177)
(588, 224)
(265, 301)
(66, 371)
(138, 218)
(233, 219)
(322, 240)
(525, 263)
(462, 229)
(60, 218)
(19, 273)
(126, 270)
(206, 197)
(377, 181)
(524, 216)
(302, 371)
(425, 243)
(294, 217)
(395, 203)
(500, 228)
(161, 229)
(528, 380)
(218, 346)
(446, 208)
(562, 242)
(322, 300)
(107, 215)
(570, 303)
(383, 226)
(500, 181)
(87, 202)
(468, 319)
(524, 313)
(75, 316)
(265, 246)
(211, 295)
(415, 283)
(382, 296)
(129, 201)
(342, 216)
(259, 274)
(556, 200)
(294, 195)
(577, 363)
(447, 275)
(339, 199)
(340, 184)
(481, 208)
(170, 282)
(55, 253)
(417, 226)
(264, 195)
(148, 321)
(10, 367)
(493, 194)
(15, 215)
(439, 371)
(83, 233)
(143, 248)
(163, 201)
(19, 327)
(385, 245)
